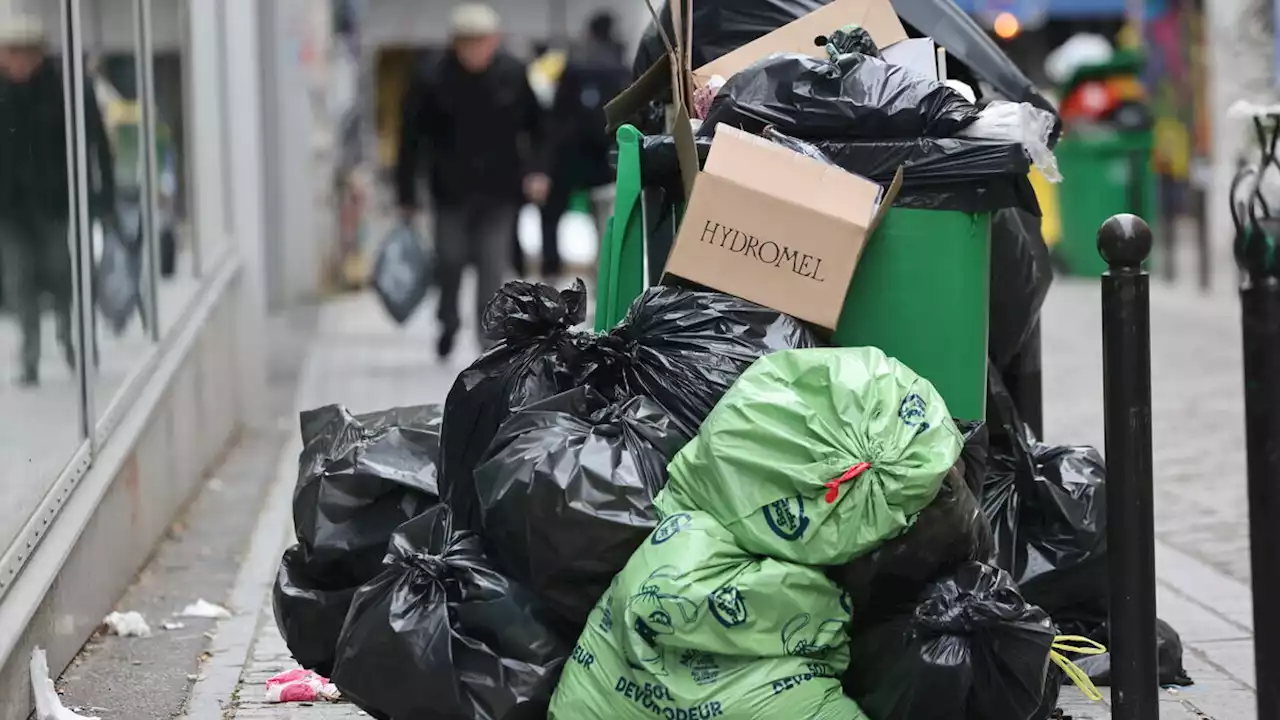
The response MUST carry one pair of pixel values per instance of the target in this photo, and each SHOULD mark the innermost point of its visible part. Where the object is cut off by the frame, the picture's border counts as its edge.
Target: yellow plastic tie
(1080, 646)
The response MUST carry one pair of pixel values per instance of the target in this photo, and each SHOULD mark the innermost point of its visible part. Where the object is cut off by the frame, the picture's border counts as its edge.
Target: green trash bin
(1104, 172)
(920, 292)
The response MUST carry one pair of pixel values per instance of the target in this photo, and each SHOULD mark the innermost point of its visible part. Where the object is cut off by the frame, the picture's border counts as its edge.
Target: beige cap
(21, 29)
(474, 19)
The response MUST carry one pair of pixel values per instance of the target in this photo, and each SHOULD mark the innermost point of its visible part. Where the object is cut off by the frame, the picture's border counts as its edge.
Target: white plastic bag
(48, 705)
(1020, 123)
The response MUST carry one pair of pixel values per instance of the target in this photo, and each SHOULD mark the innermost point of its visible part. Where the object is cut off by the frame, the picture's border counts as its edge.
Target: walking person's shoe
(444, 344)
(29, 378)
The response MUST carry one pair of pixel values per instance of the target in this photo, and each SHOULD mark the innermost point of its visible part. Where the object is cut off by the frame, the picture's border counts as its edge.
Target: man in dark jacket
(474, 118)
(35, 197)
(593, 75)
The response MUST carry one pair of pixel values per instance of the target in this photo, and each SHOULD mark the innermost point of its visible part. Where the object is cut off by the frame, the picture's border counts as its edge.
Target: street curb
(213, 695)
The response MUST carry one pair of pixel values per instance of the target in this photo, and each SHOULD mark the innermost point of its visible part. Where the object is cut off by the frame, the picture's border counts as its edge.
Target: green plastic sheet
(817, 456)
(695, 627)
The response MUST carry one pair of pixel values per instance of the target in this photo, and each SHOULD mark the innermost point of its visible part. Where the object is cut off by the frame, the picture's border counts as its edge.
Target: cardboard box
(877, 17)
(772, 226)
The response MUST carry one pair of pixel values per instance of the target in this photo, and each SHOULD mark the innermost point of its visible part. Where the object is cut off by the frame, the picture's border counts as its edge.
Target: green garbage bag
(695, 627)
(817, 456)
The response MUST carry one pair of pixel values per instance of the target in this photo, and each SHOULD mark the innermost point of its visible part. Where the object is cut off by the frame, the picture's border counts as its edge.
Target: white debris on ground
(48, 704)
(204, 609)
(172, 625)
(127, 624)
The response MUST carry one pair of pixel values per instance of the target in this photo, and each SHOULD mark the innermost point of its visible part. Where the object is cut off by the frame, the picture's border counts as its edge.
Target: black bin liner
(566, 494)
(684, 348)
(854, 97)
(974, 454)
(973, 649)
(681, 348)
(1021, 273)
(533, 326)
(948, 533)
(1098, 667)
(308, 614)
(360, 477)
(1047, 508)
(938, 173)
(441, 634)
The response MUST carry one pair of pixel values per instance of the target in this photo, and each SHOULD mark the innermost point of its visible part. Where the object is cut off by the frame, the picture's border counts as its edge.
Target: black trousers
(552, 211)
(476, 232)
(35, 259)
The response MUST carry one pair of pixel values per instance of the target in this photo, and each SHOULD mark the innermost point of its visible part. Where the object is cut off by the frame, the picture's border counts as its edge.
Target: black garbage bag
(1048, 513)
(532, 361)
(566, 495)
(1021, 273)
(948, 533)
(1098, 667)
(977, 447)
(308, 614)
(403, 273)
(973, 649)
(854, 97)
(684, 348)
(720, 27)
(937, 173)
(359, 478)
(440, 634)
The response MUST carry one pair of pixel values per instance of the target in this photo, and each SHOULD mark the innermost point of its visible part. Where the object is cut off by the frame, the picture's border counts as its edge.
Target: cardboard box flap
(760, 165)
(886, 201)
(876, 16)
(631, 102)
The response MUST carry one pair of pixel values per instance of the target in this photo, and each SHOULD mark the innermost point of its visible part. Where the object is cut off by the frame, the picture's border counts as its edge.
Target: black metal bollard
(1260, 312)
(1124, 241)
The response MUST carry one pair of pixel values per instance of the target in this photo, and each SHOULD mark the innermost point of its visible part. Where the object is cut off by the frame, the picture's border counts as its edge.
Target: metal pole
(1124, 241)
(1260, 311)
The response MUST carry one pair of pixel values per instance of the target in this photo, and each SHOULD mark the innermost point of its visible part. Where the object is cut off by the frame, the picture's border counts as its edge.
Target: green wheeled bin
(920, 292)
(1104, 172)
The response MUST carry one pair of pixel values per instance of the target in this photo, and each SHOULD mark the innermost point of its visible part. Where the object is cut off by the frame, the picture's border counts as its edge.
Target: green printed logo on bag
(786, 518)
(817, 456)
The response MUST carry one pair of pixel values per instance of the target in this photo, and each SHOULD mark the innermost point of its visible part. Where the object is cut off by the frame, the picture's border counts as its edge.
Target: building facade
(150, 320)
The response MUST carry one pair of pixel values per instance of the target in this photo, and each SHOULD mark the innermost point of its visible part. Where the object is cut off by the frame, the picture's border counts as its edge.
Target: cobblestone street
(359, 359)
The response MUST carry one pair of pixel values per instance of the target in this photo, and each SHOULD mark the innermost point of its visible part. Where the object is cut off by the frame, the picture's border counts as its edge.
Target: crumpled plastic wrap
(1021, 123)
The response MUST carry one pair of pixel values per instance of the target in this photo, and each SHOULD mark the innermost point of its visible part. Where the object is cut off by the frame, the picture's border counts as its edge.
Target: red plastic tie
(833, 486)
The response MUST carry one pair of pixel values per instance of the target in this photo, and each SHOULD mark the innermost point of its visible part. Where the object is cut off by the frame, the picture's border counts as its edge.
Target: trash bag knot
(968, 612)
(522, 310)
(433, 566)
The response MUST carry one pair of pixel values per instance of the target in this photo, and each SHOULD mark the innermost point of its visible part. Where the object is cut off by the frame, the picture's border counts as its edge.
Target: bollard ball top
(1124, 241)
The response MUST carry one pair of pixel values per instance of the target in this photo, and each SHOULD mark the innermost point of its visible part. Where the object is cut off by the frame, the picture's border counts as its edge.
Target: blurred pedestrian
(594, 74)
(35, 197)
(473, 113)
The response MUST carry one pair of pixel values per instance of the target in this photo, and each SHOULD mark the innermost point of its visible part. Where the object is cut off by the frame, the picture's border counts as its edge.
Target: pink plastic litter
(300, 686)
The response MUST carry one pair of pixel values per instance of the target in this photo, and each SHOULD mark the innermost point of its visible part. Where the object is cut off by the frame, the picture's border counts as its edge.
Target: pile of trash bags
(707, 511)
(703, 511)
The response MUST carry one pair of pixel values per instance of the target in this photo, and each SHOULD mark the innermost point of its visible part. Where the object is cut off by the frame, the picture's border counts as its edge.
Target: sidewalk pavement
(361, 360)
